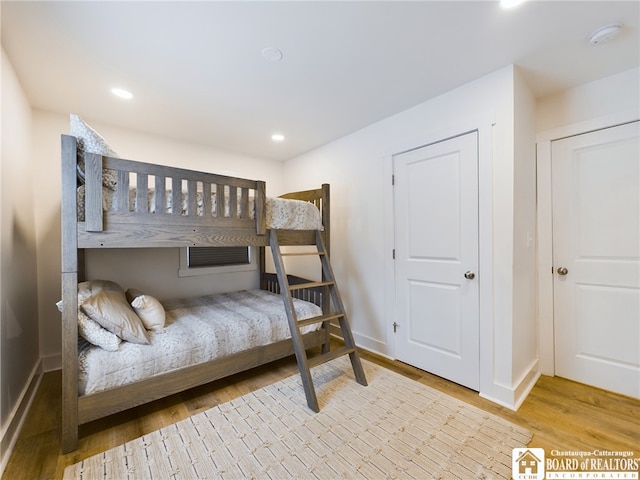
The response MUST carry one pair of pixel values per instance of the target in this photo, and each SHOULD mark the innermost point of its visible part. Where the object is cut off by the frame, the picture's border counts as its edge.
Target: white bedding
(197, 330)
(281, 213)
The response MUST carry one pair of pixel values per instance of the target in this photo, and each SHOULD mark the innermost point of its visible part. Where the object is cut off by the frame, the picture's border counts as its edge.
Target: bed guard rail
(145, 189)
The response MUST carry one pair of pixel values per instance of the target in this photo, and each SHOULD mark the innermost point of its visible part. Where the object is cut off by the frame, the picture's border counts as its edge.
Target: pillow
(88, 140)
(93, 332)
(132, 293)
(148, 308)
(110, 309)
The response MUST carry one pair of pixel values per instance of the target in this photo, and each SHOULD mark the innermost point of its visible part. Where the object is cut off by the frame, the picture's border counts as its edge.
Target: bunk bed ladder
(339, 314)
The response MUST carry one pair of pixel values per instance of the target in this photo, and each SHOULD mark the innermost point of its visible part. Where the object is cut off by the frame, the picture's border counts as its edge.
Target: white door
(436, 241)
(596, 258)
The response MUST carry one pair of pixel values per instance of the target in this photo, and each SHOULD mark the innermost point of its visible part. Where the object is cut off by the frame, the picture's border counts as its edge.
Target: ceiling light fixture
(272, 54)
(510, 3)
(119, 92)
(605, 33)
(277, 137)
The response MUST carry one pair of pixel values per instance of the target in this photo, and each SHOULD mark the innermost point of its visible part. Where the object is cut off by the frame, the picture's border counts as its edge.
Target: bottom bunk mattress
(196, 330)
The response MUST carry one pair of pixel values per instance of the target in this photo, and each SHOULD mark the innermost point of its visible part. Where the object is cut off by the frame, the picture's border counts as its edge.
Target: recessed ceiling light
(277, 137)
(510, 3)
(604, 34)
(119, 92)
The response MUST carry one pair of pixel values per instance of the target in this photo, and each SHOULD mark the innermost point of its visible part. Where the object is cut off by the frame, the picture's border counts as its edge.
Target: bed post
(261, 227)
(326, 217)
(261, 208)
(69, 282)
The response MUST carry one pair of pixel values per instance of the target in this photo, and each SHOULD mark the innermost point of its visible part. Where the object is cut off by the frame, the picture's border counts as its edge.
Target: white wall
(151, 270)
(19, 349)
(604, 97)
(359, 168)
(524, 334)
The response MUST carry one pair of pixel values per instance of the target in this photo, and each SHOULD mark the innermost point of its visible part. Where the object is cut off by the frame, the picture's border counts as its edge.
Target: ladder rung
(299, 254)
(300, 286)
(320, 318)
(327, 357)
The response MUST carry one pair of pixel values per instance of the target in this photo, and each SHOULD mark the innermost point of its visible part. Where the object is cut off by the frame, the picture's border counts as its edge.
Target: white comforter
(281, 213)
(197, 330)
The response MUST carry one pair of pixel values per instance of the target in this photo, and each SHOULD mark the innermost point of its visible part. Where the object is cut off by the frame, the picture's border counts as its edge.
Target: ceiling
(197, 71)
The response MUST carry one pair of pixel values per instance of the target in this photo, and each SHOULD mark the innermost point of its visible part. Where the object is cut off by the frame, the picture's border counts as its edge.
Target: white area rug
(393, 428)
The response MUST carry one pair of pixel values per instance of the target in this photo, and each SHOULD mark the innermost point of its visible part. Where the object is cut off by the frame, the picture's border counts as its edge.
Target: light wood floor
(562, 415)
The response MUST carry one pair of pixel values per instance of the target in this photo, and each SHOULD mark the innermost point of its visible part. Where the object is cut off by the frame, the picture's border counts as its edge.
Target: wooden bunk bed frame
(139, 229)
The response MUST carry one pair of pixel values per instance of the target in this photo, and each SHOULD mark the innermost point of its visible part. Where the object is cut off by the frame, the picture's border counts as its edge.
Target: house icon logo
(528, 463)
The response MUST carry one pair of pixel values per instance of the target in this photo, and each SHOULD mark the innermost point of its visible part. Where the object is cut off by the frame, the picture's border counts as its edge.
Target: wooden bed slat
(122, 191)
(244, 203)
(161, 194)
(233, 202)
(206, 200)
(176, 196)
(220, 199)
(192, 198)
(142, 193)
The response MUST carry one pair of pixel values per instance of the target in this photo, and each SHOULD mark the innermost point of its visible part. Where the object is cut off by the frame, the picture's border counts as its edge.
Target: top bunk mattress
(281, 213)
(196, 330)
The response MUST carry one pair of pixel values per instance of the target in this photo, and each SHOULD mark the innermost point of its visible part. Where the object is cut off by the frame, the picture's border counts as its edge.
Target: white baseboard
(525, 386)
(362, 341)
(513, 396)
(11, 430)
(51, 363)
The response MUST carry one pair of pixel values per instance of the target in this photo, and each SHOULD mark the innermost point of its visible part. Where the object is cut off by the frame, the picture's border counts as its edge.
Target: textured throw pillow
(90, 141)
(148, 308)
(112, 311)
(93, 332)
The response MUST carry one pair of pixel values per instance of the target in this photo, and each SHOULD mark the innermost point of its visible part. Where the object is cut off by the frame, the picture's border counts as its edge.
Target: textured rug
(393, 428)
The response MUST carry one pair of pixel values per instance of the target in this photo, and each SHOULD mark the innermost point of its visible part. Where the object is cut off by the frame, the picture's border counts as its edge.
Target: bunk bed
(110, 202)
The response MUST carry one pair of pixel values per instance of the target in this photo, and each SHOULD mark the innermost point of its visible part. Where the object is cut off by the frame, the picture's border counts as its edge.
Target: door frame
(484, 124)
(546, 344)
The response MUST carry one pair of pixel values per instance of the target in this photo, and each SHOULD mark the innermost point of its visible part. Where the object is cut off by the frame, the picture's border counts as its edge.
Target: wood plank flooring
(562, 415)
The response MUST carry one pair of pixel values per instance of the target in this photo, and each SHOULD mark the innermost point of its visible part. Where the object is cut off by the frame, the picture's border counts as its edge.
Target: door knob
(562, 271)
(469, 275)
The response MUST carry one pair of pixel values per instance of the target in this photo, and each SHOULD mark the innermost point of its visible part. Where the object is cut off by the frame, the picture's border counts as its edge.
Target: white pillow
(90, 141)
(94, 333)
(148, 308)
(111, 310)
